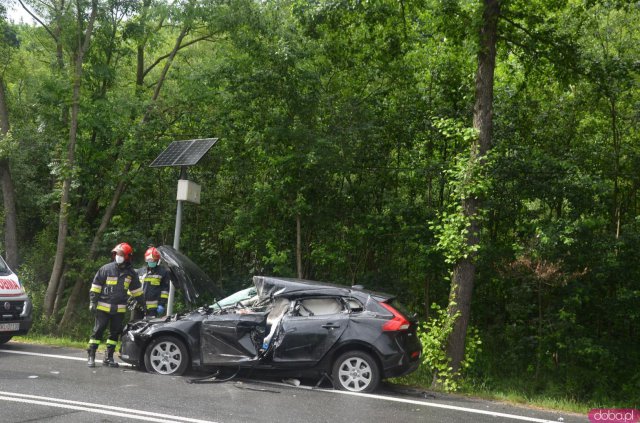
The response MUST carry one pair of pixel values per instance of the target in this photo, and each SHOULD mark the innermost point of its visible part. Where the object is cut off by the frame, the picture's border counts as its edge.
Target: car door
(307, 333)
(229, 338)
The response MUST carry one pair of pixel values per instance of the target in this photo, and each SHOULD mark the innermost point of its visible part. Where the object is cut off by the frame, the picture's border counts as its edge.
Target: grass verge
(50, 340)
(418, 380)
(532, 401)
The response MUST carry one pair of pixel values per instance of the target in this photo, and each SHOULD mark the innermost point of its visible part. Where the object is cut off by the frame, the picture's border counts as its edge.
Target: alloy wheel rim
(355, 374)
(165, 358)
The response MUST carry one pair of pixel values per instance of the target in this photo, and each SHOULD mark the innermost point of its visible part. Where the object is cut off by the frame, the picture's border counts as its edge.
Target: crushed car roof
(269, 286)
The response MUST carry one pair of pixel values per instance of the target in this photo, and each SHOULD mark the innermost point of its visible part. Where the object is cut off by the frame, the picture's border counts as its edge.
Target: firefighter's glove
(93, 307)
(160, 309)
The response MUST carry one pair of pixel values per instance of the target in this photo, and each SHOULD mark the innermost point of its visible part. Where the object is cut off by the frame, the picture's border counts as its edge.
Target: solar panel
(184, 153)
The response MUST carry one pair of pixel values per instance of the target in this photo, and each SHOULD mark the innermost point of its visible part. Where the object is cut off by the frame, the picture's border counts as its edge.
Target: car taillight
(399, 322)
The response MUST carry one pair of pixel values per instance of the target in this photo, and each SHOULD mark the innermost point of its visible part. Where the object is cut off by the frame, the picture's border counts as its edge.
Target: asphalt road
(40, 383)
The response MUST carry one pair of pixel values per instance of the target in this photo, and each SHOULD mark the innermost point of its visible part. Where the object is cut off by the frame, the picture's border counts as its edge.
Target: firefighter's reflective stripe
(164, 294)
(112, 342)
(152, 304)
(136, 292)
(94, 342)
(153, 280)
(96, 288)
(112, 280)
(104, 306)
(127, 281)
(122, 308)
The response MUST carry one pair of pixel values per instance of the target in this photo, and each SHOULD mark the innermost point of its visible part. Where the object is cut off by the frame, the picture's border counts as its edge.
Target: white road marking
(372, 396)
(64, 357)
(97, 408)
(445, 406)
(416, 402)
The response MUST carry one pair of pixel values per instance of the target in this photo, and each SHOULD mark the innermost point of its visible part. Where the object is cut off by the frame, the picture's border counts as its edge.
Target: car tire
(355, 371)
(166, 355)
(4, 339)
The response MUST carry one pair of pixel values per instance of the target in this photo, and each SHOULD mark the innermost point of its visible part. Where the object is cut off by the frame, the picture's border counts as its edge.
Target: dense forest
(478, 159)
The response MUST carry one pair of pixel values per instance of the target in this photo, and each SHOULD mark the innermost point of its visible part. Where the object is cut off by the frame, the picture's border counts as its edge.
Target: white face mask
(119, 259)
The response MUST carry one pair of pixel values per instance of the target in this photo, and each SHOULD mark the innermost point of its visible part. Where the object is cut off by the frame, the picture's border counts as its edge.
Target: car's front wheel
(166, 355)
(4, 339)
(356, 371)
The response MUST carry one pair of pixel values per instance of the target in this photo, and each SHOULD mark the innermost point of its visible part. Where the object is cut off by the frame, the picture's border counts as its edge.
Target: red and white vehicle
(15, 305)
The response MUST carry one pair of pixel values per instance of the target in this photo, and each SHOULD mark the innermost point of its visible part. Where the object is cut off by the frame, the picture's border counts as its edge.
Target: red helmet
(124, 249)
(152, 254)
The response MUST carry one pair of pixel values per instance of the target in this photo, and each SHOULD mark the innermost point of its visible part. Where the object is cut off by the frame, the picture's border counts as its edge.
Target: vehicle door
(230, 338)
(310, 330)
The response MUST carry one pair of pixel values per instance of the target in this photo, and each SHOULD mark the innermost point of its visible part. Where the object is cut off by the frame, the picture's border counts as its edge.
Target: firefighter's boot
(108, 358)
(91, 360)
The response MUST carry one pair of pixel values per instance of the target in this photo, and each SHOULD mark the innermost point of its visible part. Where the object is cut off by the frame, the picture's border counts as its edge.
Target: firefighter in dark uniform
(155, 285)
(110, 289)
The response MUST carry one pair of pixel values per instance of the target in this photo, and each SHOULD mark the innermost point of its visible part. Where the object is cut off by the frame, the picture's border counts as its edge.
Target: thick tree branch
(161, 58)
(38, 20)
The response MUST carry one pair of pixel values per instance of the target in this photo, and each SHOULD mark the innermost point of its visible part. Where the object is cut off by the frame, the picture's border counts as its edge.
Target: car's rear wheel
(166, 355)
(356, 371)
(4, 339)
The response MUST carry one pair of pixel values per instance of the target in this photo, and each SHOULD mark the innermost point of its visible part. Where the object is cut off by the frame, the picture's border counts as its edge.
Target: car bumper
(15, 327)
(131, 349)
(405, 367)
(12, 324)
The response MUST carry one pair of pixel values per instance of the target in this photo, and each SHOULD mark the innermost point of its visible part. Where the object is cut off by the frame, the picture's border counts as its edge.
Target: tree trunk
(63, 221)
(4, 109)
(10, 214)
(616, 202)
(463, 276)
(72, 303)
(427, 297)
(169, 62)
(8, 190)
(299, 246)
(61, 286)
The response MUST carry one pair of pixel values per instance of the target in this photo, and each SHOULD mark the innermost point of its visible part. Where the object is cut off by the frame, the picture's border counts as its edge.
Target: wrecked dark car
(351, 336)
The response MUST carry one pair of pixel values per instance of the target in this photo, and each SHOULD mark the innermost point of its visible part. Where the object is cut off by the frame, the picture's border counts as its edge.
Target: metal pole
(176, 243)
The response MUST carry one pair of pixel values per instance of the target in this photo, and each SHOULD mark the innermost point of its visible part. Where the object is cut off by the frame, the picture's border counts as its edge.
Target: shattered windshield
(239, 297)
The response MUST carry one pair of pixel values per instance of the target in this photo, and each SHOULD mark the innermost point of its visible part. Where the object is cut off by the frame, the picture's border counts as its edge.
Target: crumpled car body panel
(231, 339)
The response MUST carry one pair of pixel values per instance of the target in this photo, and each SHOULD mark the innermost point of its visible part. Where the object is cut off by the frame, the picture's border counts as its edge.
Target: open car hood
(188, 277)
